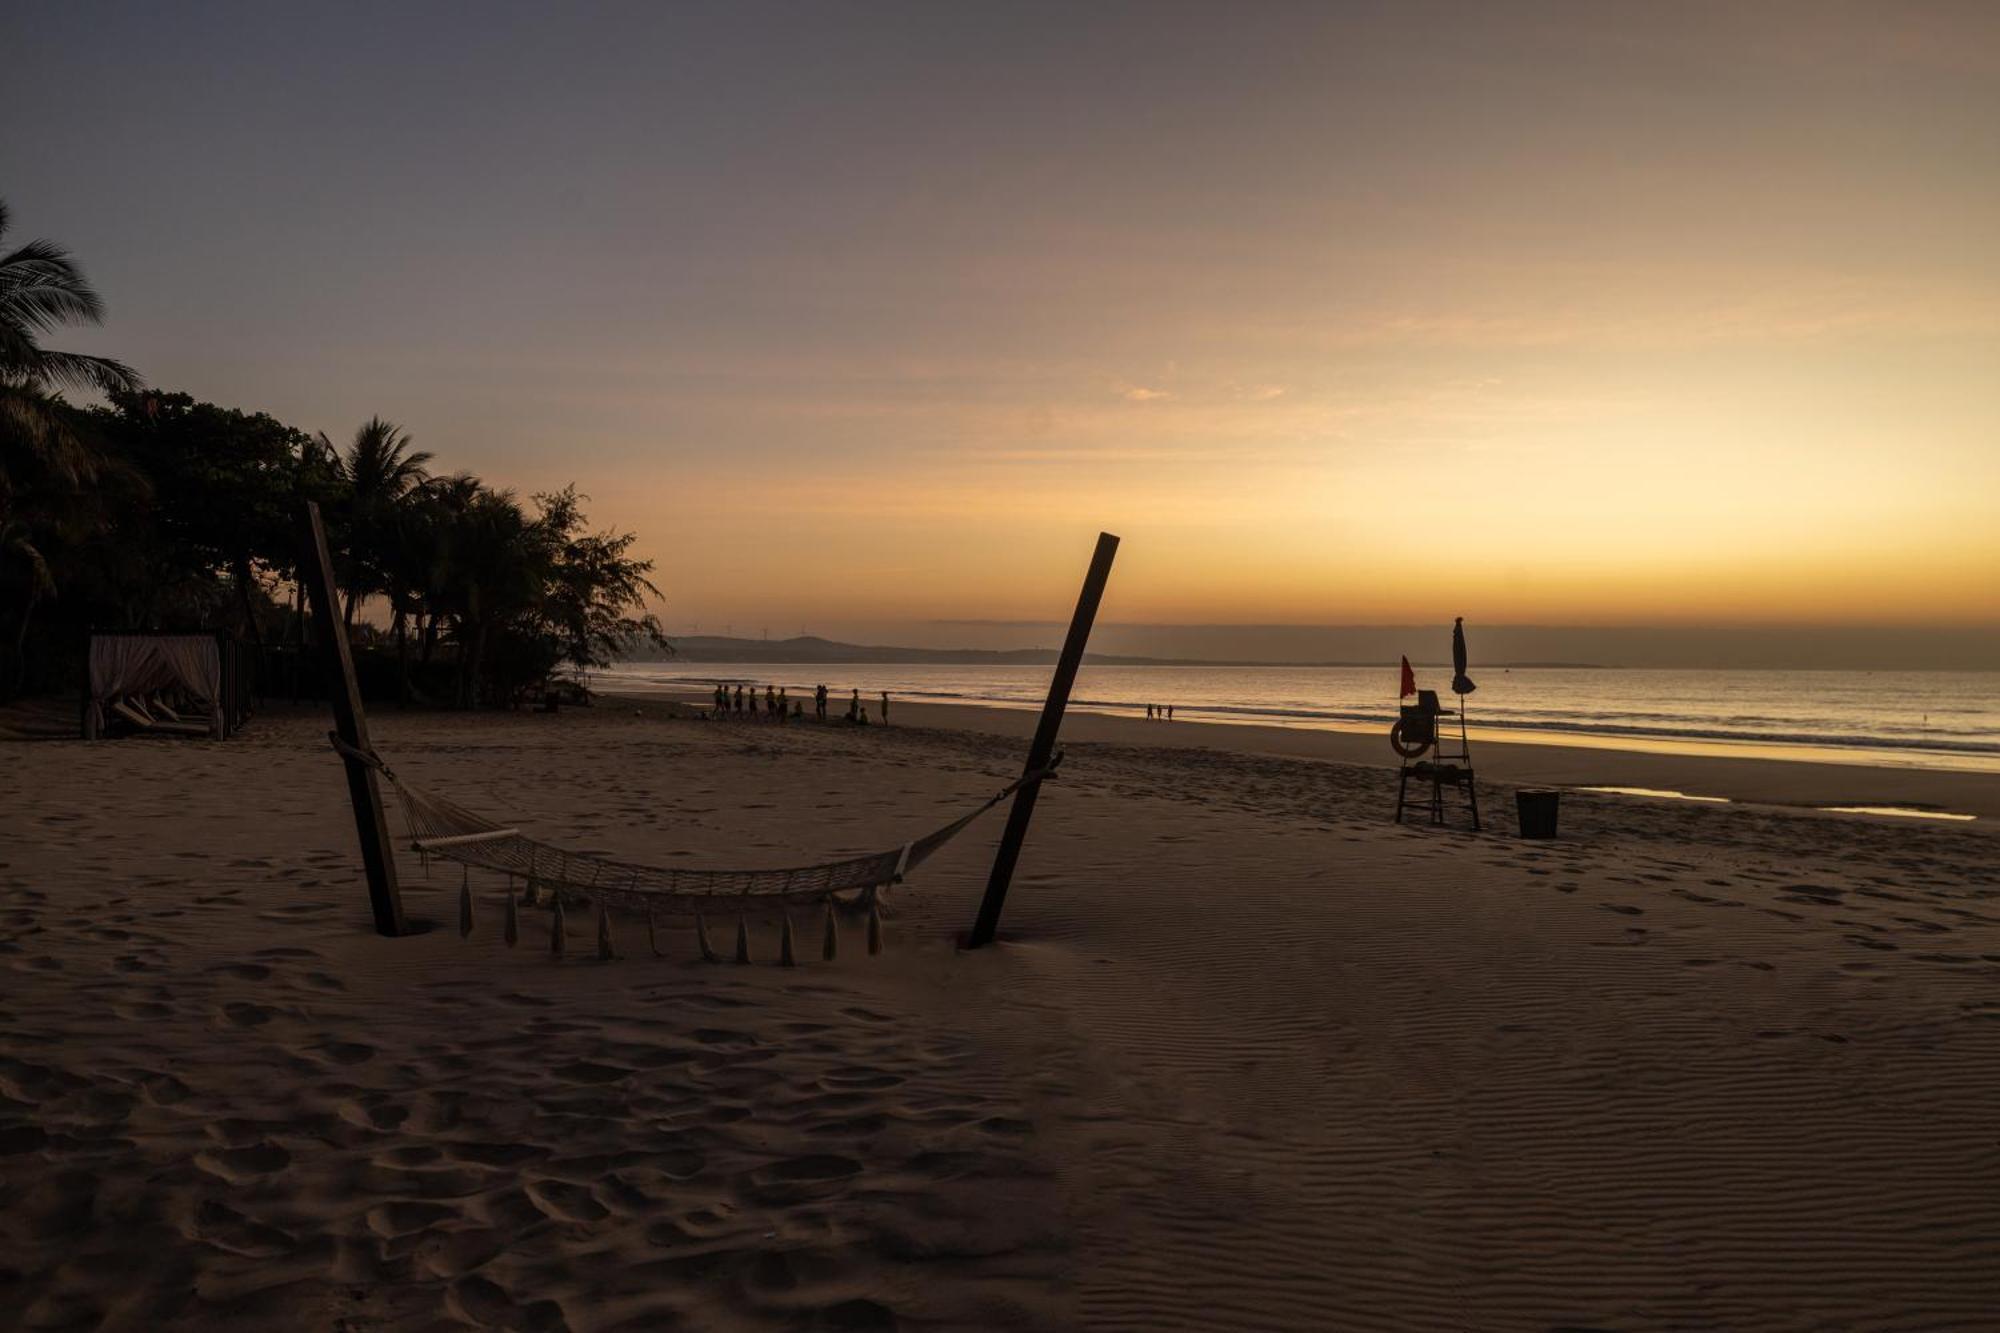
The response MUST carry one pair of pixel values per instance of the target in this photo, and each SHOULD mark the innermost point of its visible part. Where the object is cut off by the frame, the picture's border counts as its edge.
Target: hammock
(439, 827)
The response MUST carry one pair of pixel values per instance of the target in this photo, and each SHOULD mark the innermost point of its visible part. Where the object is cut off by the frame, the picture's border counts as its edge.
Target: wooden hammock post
(1044, 745)
(316, 573)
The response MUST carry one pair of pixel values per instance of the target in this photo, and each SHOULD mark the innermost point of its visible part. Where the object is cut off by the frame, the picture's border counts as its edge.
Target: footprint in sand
(237, 1165)
(563, 1201)
(858, 1077)
(481, 1301)
(591, 1073)
(493, 1154)
(222, 1227)
(404, 1217)
(245, 1015)
(373, 1115)
(346, 1052)
(812, 1169)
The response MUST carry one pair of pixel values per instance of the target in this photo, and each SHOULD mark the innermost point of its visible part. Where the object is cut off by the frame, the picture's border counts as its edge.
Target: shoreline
(1930, 751)
(1745, 780)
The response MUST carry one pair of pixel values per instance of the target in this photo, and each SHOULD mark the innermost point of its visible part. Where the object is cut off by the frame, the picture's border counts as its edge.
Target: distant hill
(810, 649)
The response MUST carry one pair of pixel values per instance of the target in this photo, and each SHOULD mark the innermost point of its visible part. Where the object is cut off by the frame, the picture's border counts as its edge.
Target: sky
(869, 314)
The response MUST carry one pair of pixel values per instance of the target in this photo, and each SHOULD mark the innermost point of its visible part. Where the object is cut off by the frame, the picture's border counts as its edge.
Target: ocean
(1924, 719)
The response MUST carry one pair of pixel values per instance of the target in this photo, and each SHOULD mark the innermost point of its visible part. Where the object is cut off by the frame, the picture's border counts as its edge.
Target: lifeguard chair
(1418, 732)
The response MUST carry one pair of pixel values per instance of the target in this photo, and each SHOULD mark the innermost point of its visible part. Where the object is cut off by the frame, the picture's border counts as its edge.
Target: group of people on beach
(779, 706)
(1159, 712)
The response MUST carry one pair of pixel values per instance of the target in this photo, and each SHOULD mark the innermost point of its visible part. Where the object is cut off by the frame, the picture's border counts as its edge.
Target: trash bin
(1537, 806)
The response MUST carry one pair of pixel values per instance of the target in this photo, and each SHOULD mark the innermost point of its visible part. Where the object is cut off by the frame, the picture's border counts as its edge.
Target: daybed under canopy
(134, 676)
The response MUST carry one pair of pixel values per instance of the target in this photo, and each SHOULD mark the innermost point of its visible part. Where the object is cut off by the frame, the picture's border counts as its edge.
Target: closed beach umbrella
(1459, 682)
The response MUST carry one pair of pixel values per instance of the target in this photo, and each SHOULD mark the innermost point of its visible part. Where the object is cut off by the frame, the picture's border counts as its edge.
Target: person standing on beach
(739, 698)
(819, 702)
(854, 706)
(1149, 712)
(770, 698)
(885, 708)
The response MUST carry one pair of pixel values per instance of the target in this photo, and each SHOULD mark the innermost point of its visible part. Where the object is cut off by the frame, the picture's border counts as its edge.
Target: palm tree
(42, 289)
(438, 512)
(496, 566)
(380, 471)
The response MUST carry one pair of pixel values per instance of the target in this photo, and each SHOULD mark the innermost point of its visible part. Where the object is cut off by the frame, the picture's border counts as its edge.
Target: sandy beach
(1250, 1056)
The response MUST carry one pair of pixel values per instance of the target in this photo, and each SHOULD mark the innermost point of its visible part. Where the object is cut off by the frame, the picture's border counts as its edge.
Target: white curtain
(122, 664)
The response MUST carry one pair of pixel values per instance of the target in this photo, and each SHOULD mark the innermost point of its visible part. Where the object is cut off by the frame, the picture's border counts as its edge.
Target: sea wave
(1686, 714)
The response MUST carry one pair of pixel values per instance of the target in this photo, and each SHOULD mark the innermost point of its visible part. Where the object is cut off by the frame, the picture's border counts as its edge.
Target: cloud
(1137, 393)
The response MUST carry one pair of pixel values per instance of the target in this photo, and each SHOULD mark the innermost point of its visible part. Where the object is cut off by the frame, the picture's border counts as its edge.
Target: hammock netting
(443, 828)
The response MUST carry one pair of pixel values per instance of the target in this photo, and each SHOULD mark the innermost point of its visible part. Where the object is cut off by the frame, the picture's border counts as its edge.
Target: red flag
(1409, 680)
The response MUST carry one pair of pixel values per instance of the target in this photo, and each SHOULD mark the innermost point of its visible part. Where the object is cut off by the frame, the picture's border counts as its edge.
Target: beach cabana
(131, 677)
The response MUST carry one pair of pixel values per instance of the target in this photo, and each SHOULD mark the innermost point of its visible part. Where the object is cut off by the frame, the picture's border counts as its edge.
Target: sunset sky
(858, 313)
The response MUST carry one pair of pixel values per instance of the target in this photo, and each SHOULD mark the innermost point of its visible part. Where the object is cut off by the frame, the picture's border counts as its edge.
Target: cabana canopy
(134, 666)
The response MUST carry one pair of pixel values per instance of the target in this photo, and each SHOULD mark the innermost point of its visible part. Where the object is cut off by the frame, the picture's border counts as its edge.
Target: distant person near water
(854, 707)
(885, 708)
(739, 698)
(1149, 712)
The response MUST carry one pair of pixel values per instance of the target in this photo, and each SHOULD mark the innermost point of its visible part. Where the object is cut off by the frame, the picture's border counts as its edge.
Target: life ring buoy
(1407, 749)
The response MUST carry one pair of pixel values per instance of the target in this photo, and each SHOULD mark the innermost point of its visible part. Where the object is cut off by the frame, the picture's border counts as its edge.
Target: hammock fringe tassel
(465, 903)
(742, 939)
(605, 953)
(708, 953)
(556, 928)
(513, 920)
(830, 946)
(874, 927)
(652, 940)
(785, 958)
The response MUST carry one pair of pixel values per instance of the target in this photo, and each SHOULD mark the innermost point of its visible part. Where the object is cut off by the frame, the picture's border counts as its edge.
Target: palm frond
(14, 541)
(36, 436)
(41, 286)
(74, 370)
